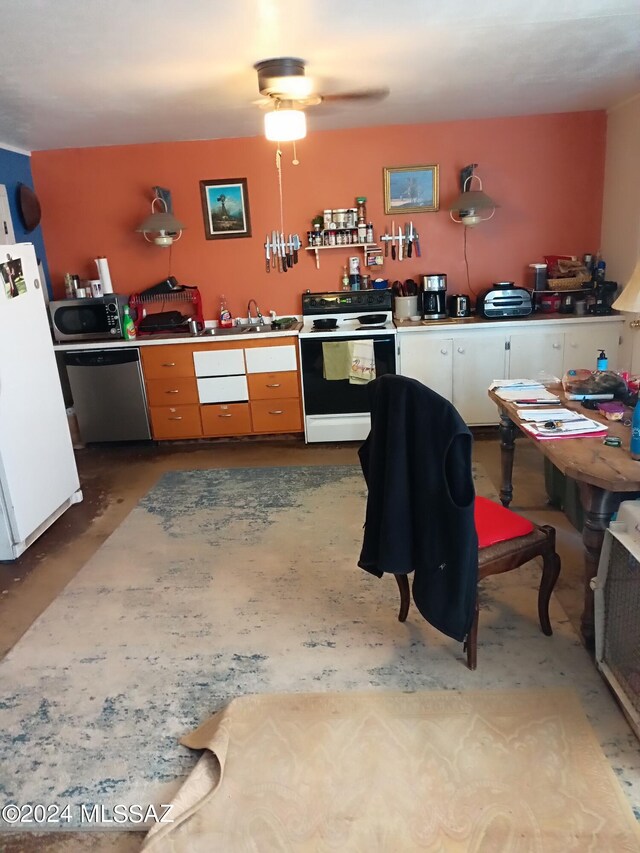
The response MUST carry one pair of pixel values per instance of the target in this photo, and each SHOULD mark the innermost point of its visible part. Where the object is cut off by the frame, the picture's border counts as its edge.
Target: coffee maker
(434, 296)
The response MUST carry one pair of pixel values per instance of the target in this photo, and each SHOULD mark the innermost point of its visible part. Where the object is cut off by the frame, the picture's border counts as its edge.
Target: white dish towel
(363, 363)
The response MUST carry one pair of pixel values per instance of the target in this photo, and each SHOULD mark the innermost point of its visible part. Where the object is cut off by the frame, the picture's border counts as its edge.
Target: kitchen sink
(235, 330)
(246, 329)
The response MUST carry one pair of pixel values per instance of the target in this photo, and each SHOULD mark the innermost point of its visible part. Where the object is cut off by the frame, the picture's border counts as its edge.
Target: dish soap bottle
(345, 279)
(225, 315)
(128, 326)
(603, 361)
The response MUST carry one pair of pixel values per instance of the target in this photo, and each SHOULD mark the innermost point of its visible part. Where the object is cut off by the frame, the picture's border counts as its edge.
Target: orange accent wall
(546, 172)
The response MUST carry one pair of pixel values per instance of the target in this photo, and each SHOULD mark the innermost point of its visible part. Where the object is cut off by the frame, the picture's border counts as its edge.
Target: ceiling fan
(284, 79)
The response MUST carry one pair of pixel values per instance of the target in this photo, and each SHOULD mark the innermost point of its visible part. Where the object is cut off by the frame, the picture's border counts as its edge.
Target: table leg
(598, 505)
(508, 432)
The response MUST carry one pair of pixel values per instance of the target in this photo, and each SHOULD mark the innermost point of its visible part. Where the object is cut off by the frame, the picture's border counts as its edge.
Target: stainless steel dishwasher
(108, 394)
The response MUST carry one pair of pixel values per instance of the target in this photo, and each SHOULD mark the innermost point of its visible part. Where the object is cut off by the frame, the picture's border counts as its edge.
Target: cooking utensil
(325, 323)
(386, 242)
(416, 240)
(283, 253)
(407, 231)
(296, 246)
(371, 319)
(393, 241)
(400, 239)
(267, 255)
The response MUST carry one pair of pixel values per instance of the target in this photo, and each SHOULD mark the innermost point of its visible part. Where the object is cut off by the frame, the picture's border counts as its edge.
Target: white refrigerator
(38, 474)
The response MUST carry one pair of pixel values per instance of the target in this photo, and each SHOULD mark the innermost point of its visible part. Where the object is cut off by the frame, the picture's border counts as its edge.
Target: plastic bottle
(128, 326)
(345, 279)
(635, 433)
(603, 361)
(226, 321)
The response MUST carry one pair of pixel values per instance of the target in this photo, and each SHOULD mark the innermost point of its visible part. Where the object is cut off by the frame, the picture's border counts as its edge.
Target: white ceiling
(107, 72)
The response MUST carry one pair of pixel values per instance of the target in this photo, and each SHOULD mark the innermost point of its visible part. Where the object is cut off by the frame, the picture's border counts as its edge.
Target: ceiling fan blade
(360, 95)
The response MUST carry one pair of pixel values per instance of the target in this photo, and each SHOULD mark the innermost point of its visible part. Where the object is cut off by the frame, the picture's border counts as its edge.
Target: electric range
(338, 409)
(346, 307)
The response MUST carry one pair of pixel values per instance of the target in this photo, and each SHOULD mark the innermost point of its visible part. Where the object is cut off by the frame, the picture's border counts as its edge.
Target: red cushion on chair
(496, 523)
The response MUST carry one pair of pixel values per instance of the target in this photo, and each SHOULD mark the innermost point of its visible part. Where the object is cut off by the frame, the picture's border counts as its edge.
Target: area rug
(446, 771)
(223, 583)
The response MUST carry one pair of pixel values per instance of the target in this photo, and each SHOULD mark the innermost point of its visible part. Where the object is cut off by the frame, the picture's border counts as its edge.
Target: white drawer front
(271, 359)
(219, 362)
(223, 389)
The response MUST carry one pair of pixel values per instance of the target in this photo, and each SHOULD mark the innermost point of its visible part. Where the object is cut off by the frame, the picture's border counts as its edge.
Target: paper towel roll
(103, 272)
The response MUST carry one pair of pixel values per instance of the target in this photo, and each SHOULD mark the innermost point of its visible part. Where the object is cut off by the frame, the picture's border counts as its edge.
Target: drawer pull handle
(175, 418)
(173, 391)
(274, 385)
(461, 350)
(277, 412)
(556, 346)
(225, 416)
(444, 351)
(169, 364)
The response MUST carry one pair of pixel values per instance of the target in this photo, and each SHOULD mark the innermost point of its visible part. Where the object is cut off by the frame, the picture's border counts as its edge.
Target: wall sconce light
(471, 205)
(629, 299)
(284, 124)
(166, 228)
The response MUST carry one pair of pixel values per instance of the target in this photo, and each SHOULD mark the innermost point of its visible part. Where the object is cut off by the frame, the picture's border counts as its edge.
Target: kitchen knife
(284, 253)
(416, 240)
(267, 262)
(400, 239)
(409, 232)
(386, 242)
(276, 253)
(296, 246)
(393, 238)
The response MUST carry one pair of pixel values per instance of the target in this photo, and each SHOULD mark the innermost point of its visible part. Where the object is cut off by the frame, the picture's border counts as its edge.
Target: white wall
(620, 244)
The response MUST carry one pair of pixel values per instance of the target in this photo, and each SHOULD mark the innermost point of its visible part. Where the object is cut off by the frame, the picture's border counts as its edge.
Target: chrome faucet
(259, 320)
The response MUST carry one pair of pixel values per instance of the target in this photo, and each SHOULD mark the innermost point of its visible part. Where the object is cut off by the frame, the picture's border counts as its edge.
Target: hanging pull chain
(279, 168)
(295, 160)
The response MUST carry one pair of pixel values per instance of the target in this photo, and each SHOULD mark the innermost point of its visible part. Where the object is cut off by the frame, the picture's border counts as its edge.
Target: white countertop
(539, 319)
(403, 327)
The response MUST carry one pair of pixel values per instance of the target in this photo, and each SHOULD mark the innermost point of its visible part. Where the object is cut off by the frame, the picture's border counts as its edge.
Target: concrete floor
(115, 478)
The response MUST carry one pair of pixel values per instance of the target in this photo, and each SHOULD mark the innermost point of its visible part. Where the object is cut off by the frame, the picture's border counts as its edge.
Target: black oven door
(338, 396)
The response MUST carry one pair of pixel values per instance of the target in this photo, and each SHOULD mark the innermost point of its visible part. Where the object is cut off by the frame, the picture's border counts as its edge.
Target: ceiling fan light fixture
(285, 125)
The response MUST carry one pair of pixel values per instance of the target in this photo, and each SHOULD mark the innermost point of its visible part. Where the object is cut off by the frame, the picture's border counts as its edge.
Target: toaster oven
(505, 302)
(90, 319)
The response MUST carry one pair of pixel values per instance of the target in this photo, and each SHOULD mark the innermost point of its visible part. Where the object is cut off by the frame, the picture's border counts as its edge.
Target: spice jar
(362, 209)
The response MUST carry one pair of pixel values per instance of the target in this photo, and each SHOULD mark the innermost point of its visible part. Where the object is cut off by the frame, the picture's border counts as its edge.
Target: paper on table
(515, 383)
(527, 395)
(587, 429)
(549, 415)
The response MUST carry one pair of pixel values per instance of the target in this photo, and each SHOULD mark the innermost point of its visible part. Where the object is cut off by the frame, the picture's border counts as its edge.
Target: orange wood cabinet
(262, 377)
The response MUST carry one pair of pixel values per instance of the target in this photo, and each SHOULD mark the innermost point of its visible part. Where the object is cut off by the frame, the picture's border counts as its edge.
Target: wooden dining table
(605, 476)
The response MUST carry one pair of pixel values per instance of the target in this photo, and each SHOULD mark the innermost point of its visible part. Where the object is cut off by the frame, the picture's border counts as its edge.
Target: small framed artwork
(411, 189)
(225, 207)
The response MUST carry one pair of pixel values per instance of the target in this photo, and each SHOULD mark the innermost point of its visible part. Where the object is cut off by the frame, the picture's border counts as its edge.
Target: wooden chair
(493, 522)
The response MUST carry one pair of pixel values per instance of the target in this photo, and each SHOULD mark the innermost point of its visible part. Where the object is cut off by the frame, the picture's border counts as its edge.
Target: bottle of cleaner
(226, 321)
(603, 361)
(635, 433)
(345, 279)
(128, 326)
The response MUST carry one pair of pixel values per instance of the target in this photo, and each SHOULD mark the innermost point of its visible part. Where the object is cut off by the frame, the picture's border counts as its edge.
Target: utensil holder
(405, 307)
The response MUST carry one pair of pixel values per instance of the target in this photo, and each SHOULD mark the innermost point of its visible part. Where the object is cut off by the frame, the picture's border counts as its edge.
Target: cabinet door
(219, 362)
(582, 345)
(477, 361)
(531, 354)
(271, 359)
(429, 360)
(167, 360)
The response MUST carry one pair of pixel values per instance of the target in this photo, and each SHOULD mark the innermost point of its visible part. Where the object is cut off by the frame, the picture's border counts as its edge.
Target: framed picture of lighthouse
(225, 208)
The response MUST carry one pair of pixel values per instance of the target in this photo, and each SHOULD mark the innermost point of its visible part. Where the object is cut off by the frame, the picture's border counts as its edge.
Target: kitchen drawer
(175, 421)
(218, 362)
(271, 386)
(222, 389)
(271, 358)
(227, 419)
(276, 415)
(178, 391)
(162, 362)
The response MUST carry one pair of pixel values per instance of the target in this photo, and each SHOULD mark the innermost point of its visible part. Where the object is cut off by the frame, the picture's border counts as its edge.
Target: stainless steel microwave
(89, 319)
